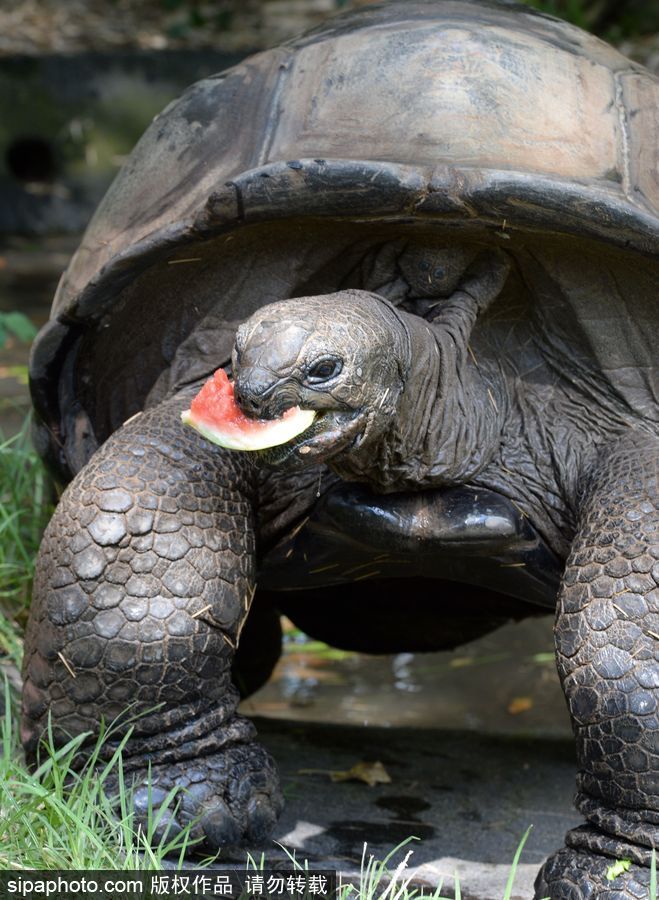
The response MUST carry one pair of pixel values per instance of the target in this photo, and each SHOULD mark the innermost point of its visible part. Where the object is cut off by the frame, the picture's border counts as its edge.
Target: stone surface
(468, 797)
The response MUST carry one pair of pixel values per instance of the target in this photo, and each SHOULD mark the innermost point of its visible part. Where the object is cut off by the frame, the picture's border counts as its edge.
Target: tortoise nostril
(252, 387)
(246, 400)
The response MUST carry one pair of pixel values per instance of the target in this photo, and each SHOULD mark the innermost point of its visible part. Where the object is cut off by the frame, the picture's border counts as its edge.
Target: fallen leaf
(371, 773)
(459, 662)
(519, 705)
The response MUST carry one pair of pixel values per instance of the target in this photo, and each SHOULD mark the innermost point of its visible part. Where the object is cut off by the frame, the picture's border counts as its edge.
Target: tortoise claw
(230, 798)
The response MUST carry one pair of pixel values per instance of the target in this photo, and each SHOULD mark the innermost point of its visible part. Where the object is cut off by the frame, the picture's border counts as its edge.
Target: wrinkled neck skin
(446, 424)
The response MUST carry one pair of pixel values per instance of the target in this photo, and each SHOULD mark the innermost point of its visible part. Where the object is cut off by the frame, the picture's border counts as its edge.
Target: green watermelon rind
(279, 431)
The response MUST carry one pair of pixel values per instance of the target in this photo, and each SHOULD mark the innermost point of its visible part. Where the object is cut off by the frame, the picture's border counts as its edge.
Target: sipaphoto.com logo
(62, 885)
(199, 884)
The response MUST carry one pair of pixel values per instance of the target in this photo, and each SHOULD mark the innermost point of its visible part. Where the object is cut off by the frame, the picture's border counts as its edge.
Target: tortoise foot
(232, 797)
(582, 875)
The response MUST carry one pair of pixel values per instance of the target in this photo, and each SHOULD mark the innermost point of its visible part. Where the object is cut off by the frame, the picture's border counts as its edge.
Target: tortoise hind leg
(259, 649)
(143, 583)
(607, 634)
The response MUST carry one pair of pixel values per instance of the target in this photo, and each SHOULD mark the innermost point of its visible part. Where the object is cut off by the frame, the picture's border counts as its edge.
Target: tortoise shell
(485, 121)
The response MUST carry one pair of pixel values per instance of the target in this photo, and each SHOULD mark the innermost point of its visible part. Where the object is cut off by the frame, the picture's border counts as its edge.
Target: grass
(57, 817)
(377, 881)
(26, 502)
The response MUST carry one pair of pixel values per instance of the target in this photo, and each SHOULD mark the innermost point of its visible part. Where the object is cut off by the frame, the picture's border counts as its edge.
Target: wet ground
(504, 683)
(467, 798)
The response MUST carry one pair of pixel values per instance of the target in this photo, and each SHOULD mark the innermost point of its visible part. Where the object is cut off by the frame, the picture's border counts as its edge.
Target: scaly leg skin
(144, 580)
(607, 633)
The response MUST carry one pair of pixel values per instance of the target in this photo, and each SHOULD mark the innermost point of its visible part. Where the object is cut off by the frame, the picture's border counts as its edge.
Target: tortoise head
(342, 355)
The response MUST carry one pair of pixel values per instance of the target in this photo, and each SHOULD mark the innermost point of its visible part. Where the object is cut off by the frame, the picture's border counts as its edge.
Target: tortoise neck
(462, 404)
(449, 416)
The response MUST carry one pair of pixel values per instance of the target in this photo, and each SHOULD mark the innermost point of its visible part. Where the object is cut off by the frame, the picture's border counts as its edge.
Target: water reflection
(402, 667)
(505, 682)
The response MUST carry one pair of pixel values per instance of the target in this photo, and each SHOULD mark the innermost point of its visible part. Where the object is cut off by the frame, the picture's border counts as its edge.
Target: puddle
(354, 833)
(505, 682)
(403, 806)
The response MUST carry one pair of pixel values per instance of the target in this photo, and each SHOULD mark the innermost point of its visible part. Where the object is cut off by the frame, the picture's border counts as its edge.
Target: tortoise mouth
(330, 433)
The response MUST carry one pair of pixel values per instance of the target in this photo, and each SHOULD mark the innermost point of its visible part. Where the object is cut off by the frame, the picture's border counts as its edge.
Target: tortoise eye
(324, 369)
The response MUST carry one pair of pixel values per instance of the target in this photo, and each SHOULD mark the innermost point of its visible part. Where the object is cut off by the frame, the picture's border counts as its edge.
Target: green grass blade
(653, 876)
(513, 868)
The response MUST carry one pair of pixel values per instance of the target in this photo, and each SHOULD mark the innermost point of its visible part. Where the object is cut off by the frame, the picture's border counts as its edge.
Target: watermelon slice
(215, 414)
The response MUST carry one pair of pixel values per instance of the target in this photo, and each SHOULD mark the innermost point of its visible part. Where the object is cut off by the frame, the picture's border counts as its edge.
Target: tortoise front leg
(607, 634)
(144, 580)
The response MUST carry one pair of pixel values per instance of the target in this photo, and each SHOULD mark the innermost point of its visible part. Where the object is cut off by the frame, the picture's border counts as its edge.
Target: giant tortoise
(437, 222)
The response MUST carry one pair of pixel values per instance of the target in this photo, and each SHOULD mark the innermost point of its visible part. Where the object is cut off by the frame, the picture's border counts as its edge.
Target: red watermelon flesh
(215, 414)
